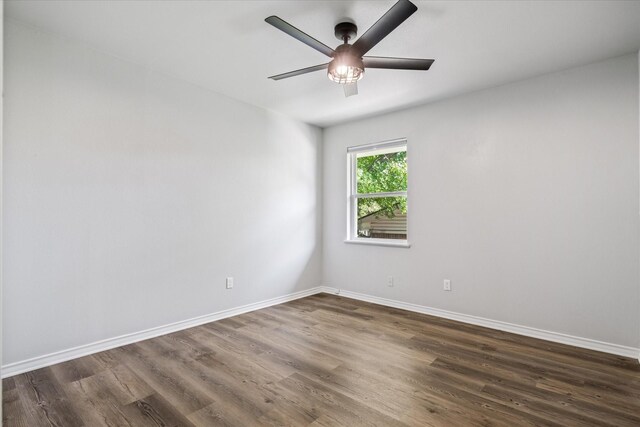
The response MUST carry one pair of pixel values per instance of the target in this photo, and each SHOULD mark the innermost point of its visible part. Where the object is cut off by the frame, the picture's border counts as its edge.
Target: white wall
(524, 195)
(129, 196)
(1, 145)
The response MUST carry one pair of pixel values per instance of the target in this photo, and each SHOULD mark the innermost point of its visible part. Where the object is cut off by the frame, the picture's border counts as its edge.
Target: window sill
(379, 242)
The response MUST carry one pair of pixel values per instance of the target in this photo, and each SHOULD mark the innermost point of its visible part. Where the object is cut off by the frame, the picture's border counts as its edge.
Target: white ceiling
(227, 47)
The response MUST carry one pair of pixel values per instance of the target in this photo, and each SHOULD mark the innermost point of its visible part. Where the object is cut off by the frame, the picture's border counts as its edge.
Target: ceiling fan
(348, 61)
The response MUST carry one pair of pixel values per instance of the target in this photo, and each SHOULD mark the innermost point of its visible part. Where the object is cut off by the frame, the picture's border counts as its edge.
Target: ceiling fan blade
(350, 89)
(299, 72)
(299, 35)
(397, 63)
(395, 16)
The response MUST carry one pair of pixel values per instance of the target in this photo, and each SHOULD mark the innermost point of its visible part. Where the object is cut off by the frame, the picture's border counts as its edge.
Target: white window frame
(353, 195)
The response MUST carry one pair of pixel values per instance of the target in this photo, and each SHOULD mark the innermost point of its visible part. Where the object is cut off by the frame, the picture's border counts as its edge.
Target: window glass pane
(381, 172)
(382, 217)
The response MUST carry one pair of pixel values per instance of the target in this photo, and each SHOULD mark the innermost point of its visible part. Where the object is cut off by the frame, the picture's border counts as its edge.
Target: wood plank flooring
(331, 361)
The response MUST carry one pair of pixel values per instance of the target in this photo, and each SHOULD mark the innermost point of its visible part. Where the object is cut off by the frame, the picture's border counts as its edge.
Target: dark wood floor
(331, 361)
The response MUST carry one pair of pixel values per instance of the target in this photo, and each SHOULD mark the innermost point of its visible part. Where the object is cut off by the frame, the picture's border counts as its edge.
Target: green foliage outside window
(382, 173)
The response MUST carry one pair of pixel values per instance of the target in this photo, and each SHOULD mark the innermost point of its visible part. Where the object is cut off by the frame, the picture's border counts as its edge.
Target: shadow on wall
(284, 221)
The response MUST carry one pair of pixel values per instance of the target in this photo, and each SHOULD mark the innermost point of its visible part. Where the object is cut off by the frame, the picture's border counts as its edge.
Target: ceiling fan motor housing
(346, 30)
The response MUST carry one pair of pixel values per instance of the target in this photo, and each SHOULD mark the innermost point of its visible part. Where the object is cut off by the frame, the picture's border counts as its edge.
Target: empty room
(320, 213)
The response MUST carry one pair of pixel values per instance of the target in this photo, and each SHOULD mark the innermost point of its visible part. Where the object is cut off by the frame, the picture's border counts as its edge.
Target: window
(377, 193)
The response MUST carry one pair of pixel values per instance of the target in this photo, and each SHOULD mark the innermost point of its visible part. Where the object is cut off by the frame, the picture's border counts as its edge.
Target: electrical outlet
(229, 282)
(447, 285)
(390, 281)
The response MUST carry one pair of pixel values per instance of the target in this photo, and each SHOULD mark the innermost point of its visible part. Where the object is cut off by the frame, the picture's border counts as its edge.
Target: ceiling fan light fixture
(345, 70)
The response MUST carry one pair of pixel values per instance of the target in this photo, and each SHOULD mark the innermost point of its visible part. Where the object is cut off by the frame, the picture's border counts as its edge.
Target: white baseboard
(107, 344)
(16, 368)
(587, 343)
